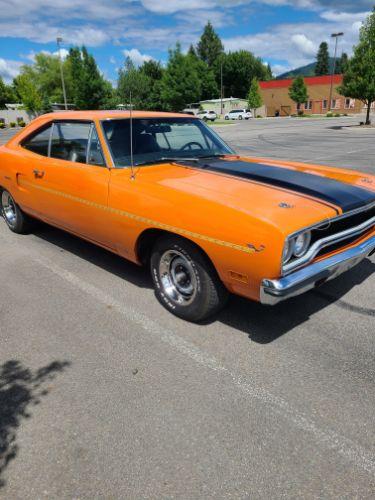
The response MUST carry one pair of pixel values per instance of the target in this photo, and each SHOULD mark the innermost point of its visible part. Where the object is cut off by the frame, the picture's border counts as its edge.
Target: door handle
(38, 174)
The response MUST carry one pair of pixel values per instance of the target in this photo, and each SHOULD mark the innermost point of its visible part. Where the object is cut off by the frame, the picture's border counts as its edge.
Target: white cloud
(112, 60)
(304, 45)
(296, 44)
(137, 58)
(9, 69)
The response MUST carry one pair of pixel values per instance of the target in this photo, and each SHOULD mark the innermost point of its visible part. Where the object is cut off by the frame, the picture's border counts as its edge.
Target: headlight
(301, 244)
(288, 250)
(297, 246)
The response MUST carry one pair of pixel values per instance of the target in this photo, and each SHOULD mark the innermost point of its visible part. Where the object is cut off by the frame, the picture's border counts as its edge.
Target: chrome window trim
(324, 242)
(89, 144)
(155, 117)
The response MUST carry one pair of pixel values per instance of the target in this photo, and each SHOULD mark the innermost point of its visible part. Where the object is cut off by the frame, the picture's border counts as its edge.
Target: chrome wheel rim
(9, 208)
(177, 277)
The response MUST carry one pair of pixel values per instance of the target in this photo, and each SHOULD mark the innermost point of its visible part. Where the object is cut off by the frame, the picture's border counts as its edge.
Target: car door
(73, 181)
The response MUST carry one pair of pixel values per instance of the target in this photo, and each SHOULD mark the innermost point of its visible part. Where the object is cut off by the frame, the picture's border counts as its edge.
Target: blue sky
(284, 33)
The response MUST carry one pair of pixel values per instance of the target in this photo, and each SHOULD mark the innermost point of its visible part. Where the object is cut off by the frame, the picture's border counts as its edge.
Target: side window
(95, 156)
(39, 141)
(69, 141)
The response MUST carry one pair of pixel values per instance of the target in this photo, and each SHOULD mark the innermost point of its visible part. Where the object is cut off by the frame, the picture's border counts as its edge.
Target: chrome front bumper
(274, 291)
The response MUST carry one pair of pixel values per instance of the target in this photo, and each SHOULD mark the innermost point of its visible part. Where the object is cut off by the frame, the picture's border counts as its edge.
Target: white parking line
(323, 437)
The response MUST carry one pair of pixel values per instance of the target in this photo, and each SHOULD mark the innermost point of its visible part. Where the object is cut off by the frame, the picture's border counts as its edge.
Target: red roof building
(278, 103)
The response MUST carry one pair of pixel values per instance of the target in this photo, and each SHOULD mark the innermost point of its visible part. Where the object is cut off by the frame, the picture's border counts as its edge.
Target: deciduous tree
(27, 90)
(359, 78)
(298, 91)
(254, 98)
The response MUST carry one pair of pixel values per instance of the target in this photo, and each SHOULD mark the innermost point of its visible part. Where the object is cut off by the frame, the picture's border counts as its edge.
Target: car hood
(285, 194)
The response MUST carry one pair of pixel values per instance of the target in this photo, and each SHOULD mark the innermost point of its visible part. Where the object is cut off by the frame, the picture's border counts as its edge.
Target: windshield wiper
(167, 158)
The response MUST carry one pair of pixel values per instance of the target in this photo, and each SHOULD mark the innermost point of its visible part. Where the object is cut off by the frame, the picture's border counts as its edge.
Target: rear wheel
(240, 117)
(15, 219)
(185, 281)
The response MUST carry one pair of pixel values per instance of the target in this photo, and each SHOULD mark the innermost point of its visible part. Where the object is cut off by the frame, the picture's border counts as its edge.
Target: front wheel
(15, 219)
(240, 117)
(185, 281)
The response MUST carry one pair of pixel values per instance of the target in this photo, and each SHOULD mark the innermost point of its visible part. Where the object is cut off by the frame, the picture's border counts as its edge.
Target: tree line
(186, 78)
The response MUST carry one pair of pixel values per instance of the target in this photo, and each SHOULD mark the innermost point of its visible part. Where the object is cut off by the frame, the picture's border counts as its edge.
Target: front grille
(342, 224)
(332, 230)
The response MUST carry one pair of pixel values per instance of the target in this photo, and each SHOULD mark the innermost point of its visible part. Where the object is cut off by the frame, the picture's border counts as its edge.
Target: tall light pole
(221, 87)
(58, 41)
(335, 36)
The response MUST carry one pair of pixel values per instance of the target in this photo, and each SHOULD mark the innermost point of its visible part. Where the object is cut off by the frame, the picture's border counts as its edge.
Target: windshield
(158, 138)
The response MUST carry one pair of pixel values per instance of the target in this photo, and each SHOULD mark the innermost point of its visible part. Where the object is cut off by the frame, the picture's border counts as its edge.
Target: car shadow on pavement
(20, 389)
(98, 256)
(263, 324)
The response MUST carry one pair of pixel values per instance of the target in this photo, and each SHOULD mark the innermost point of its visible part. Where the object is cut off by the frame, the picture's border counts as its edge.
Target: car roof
(108, 114)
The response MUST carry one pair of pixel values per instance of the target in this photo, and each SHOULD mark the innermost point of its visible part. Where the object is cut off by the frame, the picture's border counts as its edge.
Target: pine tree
(91, 90)
(209, 46)
(208, 85)
(254, 97)
(342, 64)
(359, 77)
(180, 84)
(322, 60)
(134, 83)
(298, 92)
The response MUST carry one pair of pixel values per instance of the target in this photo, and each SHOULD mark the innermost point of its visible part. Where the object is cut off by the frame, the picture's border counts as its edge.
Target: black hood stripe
(346, 196)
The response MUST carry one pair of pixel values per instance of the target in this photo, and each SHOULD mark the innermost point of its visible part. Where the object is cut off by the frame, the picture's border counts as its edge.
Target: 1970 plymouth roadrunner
(164, 190)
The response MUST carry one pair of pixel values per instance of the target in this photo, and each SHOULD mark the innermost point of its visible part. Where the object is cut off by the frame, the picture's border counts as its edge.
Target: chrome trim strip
(333, 219)
(273, 291)
(324, 242)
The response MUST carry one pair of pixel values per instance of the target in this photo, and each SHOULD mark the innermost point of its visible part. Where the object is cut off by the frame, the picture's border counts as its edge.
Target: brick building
(277, 101)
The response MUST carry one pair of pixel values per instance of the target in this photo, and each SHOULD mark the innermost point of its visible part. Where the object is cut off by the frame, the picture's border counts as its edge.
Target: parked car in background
(165, 191)
(239, 114)
(207, 115)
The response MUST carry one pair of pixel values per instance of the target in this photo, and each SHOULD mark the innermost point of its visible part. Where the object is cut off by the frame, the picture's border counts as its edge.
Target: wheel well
(148, 238)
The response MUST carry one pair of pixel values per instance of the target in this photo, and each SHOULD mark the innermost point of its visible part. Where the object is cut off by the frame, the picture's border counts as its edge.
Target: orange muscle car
(164, 190)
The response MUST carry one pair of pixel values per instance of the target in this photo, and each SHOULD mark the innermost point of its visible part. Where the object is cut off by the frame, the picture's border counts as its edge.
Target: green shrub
(2, 125)
(300, 112)
(21, 123)
(259, 116)
(329, 114)
(337, 115)
(12, 124)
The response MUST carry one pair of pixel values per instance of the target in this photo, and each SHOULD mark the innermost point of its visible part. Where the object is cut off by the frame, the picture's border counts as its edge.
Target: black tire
(240, 117)
(226, 117)
(15, 219)
(209, 294)
(205, 118)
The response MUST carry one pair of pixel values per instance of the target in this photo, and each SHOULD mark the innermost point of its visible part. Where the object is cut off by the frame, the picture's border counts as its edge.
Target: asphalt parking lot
(104, 394)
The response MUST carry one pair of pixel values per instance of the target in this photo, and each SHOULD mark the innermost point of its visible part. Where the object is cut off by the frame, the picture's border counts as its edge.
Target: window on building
(349, 103)
(325, 103)
(333, 104)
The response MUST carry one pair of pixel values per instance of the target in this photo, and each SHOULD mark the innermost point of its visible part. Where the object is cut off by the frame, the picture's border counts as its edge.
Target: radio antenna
(131, 138)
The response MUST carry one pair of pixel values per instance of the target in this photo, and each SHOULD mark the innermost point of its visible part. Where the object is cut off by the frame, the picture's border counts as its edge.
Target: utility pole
(335, 36)
(221, 87)
(58, 41)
